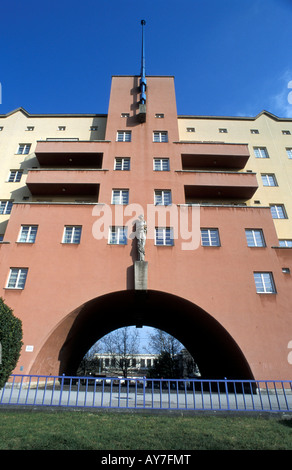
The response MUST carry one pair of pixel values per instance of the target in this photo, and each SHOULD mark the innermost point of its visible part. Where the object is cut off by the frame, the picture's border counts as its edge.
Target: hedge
(10, 342)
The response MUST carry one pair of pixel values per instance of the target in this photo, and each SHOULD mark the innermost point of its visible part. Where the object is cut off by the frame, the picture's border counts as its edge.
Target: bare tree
(122, 344)
(162, 342)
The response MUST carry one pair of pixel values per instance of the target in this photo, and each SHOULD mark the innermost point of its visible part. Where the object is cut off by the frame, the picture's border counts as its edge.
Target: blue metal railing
(142, 393)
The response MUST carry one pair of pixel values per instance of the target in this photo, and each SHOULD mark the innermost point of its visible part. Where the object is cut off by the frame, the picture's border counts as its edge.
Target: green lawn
(86, 430)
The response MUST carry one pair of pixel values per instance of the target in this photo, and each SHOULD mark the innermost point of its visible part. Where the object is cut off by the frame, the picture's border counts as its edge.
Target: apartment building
(216, 195)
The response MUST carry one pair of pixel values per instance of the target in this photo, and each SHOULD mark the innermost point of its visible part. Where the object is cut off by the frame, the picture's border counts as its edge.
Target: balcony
(218, 185)
(87, 154)
(213, 155)
(64, 182)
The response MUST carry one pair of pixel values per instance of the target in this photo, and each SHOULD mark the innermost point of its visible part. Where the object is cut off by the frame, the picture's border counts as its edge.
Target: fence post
(226, 391)
(61, 389)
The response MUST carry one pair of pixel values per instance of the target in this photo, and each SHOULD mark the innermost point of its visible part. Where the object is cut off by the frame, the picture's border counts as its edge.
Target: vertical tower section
(143, 81)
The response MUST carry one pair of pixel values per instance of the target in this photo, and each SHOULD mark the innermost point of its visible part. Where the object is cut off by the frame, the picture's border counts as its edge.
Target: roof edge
(30, 115)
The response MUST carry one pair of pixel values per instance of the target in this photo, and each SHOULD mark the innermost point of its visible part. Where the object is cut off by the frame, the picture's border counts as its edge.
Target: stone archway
(214, 350)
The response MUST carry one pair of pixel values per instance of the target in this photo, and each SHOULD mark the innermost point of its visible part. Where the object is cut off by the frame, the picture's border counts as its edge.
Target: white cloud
(281, 102)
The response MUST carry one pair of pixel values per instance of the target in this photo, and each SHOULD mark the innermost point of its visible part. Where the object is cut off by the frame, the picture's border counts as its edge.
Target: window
(5, 207)
(30, 128)
(164, 236)
(122, 163)
(72, 234)
(17, 278)
(264, 283)
(289, 152)
(61, 128)
(223, 131)
(210, 237)
(255, 237)
(190, 129)
(120, 196)
(27, 234)
(125, 115)
(124, 136)
(94, 128)
(162, 197)
(1, 128)
(261, 152)
(254, 131)
(269, 180)
(278, 211)
(15, 176)
(118, 235)
(159, 115)
(285, 243)
(161, 164)
(286, 132)
(160, 136)
(23, 149)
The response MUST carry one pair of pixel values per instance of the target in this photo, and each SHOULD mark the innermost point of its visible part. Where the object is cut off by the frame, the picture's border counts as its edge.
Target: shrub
(10, 341)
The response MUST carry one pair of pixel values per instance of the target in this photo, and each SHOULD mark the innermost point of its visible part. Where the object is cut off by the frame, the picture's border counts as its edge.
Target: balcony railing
(213, 155)
(223, 185)
(64, 182)
(88, 154)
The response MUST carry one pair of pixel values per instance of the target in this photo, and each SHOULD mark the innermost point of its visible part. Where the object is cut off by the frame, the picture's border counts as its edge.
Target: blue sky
(229, 57)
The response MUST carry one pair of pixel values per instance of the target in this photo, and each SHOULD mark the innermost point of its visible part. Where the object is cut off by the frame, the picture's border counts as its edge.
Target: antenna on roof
(143, 81)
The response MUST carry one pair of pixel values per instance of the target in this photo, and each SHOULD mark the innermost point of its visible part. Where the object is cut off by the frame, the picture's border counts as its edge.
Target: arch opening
(214, 350)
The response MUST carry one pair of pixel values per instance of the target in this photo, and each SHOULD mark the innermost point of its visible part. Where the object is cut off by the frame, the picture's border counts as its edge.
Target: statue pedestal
(140, 275)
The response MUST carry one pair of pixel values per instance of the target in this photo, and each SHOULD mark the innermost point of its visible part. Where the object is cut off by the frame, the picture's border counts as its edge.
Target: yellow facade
(264, 131)
(20, 127)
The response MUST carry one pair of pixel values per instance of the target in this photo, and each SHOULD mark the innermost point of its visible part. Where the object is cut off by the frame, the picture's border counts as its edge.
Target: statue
(141, 230)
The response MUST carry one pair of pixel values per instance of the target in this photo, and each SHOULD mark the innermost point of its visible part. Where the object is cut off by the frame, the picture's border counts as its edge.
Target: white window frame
(120, 196)
(279, 211)
(17, 278)
(255, 237)
(160, 136)
(210, 237)
(261, 152)
(5, 207)
(118, 235)
(68, 238)
(264, 282)
(124, 136)
(167, 236)
(15, 176)
(269, 179)
(162, 197)
(23, 149)
(122, 163)
(161, 164)
(27, 234)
